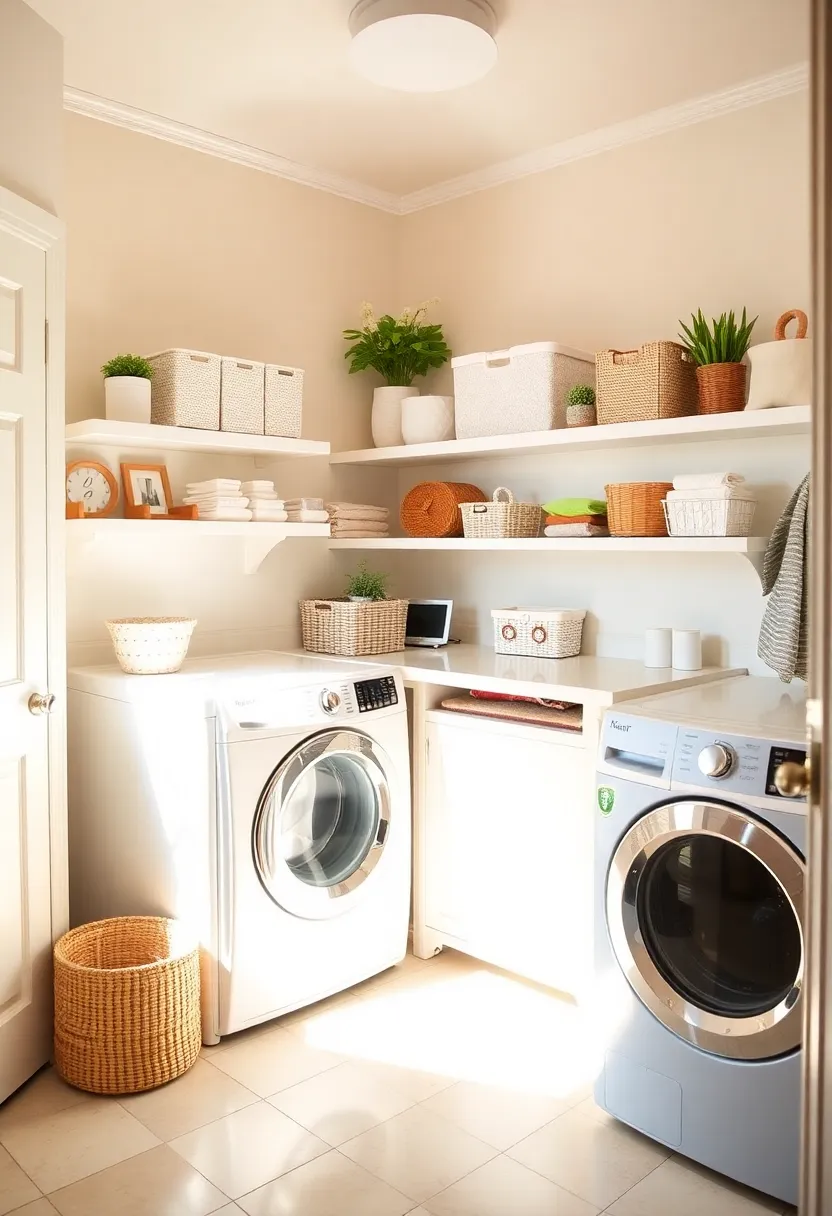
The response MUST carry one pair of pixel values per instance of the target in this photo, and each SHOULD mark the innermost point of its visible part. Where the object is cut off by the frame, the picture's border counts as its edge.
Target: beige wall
(31, 106)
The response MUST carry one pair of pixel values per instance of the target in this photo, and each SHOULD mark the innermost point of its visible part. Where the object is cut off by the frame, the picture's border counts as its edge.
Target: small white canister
(687, 650)
(781, 371)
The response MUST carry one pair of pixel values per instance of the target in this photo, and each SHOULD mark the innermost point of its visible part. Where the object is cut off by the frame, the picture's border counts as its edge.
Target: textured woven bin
(242, 396)
(709, 516)
(636, 508)
(185, 389)
(656, 381)
(432, 507)
(151, 645)
(501, 518)
(552, 633)
(284, 400)
(347, 627)
(127, 1013)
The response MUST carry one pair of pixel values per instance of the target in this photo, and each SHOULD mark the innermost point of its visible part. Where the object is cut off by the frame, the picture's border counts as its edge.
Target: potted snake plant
(718, 351)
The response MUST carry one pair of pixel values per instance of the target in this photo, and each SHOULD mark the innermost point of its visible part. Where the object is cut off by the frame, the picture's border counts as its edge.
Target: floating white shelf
(148, 437)
(788, 420)
(574, 544)
(258, 538)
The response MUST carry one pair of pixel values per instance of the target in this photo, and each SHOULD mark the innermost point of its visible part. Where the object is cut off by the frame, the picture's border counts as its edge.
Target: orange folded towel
(599, 520)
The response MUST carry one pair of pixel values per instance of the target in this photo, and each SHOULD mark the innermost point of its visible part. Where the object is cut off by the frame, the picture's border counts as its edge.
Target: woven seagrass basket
(352, 627)
(636, 508)
(656, 381)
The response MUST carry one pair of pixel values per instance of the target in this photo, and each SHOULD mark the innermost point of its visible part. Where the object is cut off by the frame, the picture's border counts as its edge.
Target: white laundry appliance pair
(264, 798)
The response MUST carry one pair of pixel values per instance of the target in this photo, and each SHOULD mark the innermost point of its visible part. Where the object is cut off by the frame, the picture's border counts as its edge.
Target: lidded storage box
(185, 389)
(241, 396)
(284, 400)
(549, 633)
(506, 392)
(656, 381)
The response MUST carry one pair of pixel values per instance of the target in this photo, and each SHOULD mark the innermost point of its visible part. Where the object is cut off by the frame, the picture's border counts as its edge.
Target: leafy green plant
(398, 348)
(580, 394)
(367, 584)
(127, 365)
(723, 341)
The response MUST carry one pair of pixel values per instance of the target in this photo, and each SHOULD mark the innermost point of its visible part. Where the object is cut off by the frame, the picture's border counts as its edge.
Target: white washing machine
(264, 798)
(700, 954)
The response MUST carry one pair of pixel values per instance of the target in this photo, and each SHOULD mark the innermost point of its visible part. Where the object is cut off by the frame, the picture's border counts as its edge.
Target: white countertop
(763, 703)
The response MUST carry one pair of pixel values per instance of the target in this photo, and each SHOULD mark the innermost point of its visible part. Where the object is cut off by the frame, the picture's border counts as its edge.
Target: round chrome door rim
(759, 1037)
(283, 886)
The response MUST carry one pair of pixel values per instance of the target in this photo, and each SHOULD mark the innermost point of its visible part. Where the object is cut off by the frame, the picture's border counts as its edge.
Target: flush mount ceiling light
(423, 46)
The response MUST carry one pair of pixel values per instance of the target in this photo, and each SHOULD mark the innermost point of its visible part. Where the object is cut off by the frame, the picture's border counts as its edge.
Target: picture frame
(147, 489)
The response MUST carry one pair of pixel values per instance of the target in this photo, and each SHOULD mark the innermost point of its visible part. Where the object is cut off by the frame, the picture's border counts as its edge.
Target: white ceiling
(273, 74)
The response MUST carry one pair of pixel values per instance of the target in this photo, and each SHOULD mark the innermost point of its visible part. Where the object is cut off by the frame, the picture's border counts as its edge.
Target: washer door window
(321, 823)
(705, 914)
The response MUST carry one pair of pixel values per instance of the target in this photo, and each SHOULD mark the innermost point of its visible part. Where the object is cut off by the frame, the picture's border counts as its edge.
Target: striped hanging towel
(783, 643)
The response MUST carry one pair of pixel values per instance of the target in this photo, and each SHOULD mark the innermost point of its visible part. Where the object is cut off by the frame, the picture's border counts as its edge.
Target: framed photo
(147, 485)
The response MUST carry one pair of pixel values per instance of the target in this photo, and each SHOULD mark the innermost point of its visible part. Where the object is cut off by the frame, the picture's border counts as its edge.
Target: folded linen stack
(358, 519)
(218, 499)
(576, 517)
(713, 486)
(266, 506)
(306, 511)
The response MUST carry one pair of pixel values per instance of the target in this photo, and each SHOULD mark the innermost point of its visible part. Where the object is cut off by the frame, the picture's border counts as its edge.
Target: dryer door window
(322, 822)
(705, 908)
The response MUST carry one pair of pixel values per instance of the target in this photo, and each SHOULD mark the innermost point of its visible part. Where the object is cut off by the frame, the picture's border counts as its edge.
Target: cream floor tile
(230, 1210)
(686, 1189)
(596, 1161)
(341, 1103)
(311, 1013)
(498, 1116)
(328, 1186)
(44, 1094)
(274, 1061)
(249, 1148)
(418, 1153)
(503, 1186)
(156, 1183)
(202, 1095)
(16, 1188)
(57, 1150)
(41, 1207)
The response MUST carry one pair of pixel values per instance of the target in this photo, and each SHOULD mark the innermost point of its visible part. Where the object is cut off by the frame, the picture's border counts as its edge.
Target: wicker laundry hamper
(636, 508)
(127, 1012)
(504, 517)
(432, 507)
(353, 627)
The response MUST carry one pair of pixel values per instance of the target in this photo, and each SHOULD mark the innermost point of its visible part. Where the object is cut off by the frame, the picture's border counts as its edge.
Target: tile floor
(437, 1089)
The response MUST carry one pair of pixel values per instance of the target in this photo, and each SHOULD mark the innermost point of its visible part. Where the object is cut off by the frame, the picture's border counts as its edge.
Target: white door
(25, 894)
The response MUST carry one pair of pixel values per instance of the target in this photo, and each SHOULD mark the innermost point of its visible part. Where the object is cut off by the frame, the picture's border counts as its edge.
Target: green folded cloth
(575, 506)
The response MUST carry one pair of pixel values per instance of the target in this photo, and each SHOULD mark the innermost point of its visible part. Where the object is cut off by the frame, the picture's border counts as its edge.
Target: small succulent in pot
(127, 396)
(366, 586)
(580, 406)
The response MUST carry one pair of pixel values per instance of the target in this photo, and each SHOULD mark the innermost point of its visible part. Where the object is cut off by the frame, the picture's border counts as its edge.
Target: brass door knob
(792, 780)
(41, 703)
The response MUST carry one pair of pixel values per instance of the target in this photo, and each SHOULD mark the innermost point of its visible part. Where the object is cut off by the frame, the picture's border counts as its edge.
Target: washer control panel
(376, 694)
(732, 764)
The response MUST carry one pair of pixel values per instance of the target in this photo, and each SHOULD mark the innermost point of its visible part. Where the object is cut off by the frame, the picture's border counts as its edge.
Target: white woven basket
(709, 516)
(284, 400)
(185, 389)
(151, 645)
(504, 517)
(241, 397)
(549, 633)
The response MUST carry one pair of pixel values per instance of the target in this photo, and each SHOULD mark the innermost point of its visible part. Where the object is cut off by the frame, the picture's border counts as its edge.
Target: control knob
(330, 701)
(716, 760)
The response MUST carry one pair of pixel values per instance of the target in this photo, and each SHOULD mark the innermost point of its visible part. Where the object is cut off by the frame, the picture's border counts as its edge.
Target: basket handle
(321, 606)
(502, 494)
(496, 358)
(624, 356)
(794, 314)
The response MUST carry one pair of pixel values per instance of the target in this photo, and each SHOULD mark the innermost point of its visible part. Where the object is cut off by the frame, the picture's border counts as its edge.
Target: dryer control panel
(733, 764)
(376, 694)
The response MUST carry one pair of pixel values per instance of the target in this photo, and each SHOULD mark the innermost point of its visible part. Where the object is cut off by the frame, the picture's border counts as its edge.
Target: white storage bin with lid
(284, 400)
(241, 396)
(506, 392)
(185, 389)
(549, 633)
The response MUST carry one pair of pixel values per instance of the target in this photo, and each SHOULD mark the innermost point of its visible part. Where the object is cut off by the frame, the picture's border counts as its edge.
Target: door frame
(22, 219)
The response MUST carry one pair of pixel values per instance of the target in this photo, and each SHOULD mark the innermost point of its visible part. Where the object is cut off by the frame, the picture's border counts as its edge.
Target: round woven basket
(127, 1013)
(432, 507)
(635, 508)
(151, 645)
(721, 387)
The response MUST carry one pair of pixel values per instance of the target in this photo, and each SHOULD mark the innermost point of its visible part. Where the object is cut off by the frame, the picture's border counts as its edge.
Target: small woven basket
(636, 508)
(353, 628)
(656, 381)
(127, 1013)
(721, 387)
(504, 517)
(151, 645)
(710, 516)
(431, 508)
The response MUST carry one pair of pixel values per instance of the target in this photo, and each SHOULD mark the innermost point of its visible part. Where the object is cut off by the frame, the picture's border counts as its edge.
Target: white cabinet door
(25, 897)
(509, 847)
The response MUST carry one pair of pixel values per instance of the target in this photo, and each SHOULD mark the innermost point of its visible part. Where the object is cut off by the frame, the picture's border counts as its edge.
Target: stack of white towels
(358, 519)
(264, 503)
(306, 511)
(224, 498)
(708, 485)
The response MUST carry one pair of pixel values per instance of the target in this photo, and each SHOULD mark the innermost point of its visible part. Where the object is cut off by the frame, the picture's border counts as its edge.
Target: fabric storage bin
(656, 381)
(284, 400)
(185, 389)
(343, 626)
(709, 516)
(241, 397)
(524, 388)
(550, 633)
(781, 371)
(504, 517)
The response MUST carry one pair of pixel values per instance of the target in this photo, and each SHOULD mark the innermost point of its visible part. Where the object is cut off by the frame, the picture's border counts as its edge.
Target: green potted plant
(580, 406)
(718, 350)
(366, 586)
(127, 388)
(399, 349)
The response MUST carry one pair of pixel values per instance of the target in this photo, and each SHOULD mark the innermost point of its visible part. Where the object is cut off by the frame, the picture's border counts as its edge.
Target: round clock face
(93, 485)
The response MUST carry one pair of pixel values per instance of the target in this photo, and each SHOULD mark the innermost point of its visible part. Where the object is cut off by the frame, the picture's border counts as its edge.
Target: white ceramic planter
(428, 419)
(127, 398)
(387, 414)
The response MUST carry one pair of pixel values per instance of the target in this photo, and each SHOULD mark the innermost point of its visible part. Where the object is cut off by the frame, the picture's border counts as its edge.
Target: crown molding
(753, 92)
(144, 123)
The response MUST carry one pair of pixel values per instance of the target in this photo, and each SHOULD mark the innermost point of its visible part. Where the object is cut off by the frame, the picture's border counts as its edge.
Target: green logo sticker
(606, 799)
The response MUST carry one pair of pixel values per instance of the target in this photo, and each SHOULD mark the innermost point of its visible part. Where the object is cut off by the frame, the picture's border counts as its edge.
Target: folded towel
(210, 502)
(262, 496)
(359, 530)
(599, 520)
(377, 525)
(355, 510)
(304, 504)
(240, 515)
(706, 481)
(557, 530)
(218, 485)
(255, 487)
(575, 506)
(718, 493)
(783, 643)
(268, 517)
(307, 517)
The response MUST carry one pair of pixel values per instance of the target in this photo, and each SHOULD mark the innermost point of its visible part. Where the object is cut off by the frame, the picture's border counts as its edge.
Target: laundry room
(410, 640)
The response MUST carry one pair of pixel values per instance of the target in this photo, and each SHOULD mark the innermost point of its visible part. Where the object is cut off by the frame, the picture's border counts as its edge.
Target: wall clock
(91, 489)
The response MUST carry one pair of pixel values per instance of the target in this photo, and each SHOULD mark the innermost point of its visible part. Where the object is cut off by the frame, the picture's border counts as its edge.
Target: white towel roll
(706, 481)
(718, 493)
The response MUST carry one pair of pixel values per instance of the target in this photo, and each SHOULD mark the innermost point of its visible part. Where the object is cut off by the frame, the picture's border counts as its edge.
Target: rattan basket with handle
(127, 1013)
(504, 517)
(656, 381)
(353, 627)
(431, 508)
(636, 508)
